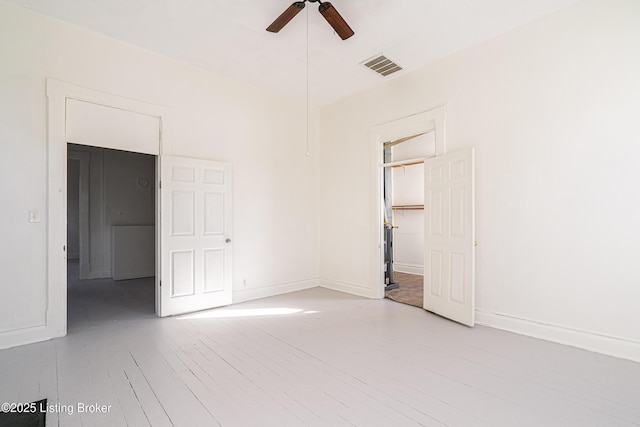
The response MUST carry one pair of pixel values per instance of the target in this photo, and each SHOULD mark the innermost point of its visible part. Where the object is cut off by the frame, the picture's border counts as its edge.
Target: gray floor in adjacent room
(315, 357)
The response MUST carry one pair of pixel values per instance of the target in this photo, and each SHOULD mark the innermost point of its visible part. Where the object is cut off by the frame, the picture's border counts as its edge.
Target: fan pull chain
(308, 154)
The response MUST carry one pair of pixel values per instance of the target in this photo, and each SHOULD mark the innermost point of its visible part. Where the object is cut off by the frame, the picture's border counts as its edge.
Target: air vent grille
(381, 65)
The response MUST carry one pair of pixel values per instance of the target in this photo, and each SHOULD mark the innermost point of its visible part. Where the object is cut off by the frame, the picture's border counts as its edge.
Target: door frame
(427, 121)
(58, 92)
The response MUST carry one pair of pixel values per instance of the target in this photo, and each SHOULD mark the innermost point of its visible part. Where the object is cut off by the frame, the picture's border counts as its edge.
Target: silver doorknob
(227, 240)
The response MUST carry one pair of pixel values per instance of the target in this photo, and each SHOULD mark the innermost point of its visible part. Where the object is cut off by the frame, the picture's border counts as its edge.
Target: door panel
(196, 244)
(449, 279)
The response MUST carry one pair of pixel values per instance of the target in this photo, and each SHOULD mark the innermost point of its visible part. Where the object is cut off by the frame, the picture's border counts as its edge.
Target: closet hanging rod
(407, 207)
(407, 162)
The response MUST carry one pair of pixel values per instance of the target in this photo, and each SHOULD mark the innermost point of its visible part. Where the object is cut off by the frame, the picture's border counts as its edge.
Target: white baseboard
(30, 335)
(99, 274)
(242, 295)
(350, 288)
(408, 268)
(604, 344)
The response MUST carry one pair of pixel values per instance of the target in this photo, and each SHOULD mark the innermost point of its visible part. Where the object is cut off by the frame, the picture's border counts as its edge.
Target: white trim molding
(22, 336)
(242, 295)
(347, 287)
(408, 268)
(591, 341)
(426, 121)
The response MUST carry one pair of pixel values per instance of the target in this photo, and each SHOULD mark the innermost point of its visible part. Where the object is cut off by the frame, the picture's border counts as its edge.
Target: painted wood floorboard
(315, 357)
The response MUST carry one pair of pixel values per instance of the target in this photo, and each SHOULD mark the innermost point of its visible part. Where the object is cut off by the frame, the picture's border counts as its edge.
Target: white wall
(408, 238)
(133, 253)
(408, 189)
(127, 200)
(552, 109)
(263, 135)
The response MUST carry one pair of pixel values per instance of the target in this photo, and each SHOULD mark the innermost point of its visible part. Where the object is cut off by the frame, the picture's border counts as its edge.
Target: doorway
(85, 116)
(403, 228)
(194, 201)
(449, 216)
(111, 229)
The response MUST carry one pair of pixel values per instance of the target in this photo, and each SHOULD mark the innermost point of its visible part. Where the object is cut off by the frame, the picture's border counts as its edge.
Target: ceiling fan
(326, 9)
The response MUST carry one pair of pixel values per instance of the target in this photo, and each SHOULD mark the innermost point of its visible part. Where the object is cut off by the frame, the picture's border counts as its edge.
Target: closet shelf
(408, 207)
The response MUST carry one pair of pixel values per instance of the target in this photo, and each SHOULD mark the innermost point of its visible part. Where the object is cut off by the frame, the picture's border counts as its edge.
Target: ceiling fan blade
(286, 16)
(335, 20)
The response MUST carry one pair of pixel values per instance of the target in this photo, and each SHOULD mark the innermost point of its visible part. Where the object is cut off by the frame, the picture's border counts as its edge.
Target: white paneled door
(449, 276)
(195, 218)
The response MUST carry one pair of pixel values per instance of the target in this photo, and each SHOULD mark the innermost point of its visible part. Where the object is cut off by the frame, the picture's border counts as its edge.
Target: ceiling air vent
(382, 65)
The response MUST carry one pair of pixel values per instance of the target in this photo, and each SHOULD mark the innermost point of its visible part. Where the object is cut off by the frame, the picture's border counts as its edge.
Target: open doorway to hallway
(403, 189)
(111, 215)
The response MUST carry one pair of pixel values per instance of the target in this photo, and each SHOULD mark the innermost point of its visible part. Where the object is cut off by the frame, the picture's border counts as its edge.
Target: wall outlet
(244, 282)
(34, 216)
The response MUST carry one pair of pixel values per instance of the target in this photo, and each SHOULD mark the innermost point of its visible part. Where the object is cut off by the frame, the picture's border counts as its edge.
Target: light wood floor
(315, 357)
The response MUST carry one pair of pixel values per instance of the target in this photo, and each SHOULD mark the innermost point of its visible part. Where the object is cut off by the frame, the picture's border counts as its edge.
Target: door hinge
(160, 283)
(159, 184)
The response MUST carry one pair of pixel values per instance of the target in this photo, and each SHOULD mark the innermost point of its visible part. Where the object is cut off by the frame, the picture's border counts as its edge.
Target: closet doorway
(403, 191)
(449, 213)
(111, 230)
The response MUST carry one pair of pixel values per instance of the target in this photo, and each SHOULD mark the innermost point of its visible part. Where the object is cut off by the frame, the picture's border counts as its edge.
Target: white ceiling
(229, 37)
